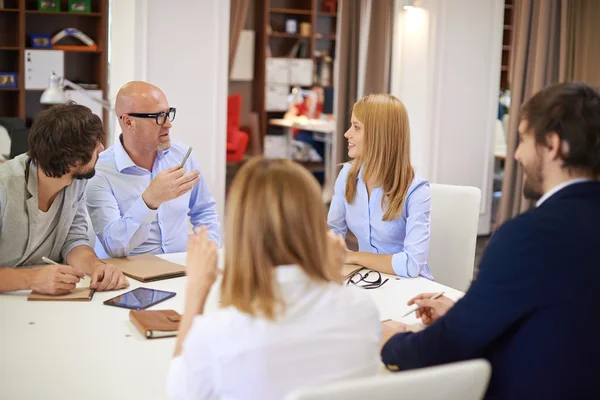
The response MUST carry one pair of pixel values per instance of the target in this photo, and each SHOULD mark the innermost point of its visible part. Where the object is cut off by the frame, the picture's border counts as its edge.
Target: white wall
(446, 69)
(183, 49)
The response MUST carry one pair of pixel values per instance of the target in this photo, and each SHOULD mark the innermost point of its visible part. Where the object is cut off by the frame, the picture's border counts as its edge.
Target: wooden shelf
(506, 47)
(22, 18)
(70, 51)
(288, 35)
(75, 14)
(295, 11)
(325, 37)
(508, 27)
(504, 68)
(326, 14)
(508, 6)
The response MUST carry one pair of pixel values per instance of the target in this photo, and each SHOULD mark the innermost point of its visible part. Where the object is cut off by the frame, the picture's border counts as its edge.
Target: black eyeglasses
(161, 117)
(370, 280)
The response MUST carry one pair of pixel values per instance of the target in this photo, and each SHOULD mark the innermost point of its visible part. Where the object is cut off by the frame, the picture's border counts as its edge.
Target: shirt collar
(123, 160)
(32, 179)
(558, 188)
(290, 274)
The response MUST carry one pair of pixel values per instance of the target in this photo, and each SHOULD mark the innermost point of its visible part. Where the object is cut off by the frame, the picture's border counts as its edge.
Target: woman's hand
(202, 257)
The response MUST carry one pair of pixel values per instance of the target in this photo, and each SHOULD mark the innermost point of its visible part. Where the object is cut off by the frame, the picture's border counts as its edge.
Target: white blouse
(327, 332)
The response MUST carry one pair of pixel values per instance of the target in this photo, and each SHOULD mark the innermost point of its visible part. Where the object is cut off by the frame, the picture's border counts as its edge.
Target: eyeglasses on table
(366, 279)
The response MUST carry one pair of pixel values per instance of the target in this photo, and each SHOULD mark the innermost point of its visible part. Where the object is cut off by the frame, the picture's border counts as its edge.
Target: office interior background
(461, 67)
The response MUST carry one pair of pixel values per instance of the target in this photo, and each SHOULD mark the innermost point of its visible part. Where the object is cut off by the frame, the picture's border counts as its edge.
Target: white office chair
(454, 221)
(467, 380)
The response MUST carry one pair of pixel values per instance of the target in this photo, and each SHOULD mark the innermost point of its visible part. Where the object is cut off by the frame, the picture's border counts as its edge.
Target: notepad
(82, 292)
(147, 267)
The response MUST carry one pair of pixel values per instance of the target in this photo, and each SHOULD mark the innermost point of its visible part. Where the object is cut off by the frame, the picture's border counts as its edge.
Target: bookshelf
(273, 41)
(507, 41)
(21, 18)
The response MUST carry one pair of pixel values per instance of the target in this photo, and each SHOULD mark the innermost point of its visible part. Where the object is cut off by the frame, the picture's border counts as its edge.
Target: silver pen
(49, 261)
(417, 307)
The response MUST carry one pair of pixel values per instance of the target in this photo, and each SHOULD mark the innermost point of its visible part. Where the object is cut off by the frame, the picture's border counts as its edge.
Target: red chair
(237, 140)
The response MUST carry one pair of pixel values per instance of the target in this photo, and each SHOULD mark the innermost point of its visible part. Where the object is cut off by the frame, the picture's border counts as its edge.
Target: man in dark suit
(531, 311)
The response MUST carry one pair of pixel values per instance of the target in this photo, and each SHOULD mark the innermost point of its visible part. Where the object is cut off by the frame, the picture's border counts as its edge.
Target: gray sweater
(26, 234)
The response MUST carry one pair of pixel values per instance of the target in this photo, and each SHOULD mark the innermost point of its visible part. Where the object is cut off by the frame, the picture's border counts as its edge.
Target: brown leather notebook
(78, 294)
(156, 323)
(147, 267)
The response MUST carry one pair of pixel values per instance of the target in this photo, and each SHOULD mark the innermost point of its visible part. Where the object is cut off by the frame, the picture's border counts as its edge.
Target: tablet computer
(140, 298)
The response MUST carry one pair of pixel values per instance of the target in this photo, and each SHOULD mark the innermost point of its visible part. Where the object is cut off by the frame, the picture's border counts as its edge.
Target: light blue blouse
(406, 237)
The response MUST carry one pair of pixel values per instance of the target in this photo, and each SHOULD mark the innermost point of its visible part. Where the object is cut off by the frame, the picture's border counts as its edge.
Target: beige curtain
(237, 19)
(583, 52)
(363, 57)
(539, 59)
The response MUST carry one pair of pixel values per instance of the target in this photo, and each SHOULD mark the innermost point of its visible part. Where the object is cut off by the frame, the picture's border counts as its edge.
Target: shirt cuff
(399, 265)
(67, 249)
(140, 212)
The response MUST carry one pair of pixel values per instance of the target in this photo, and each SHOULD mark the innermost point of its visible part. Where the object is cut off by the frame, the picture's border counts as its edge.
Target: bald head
(137, 106)
(138, 96)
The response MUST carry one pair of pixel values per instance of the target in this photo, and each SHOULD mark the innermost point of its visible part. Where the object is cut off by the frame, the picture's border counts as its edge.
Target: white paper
(276, 97)
(278, 71)
(40, 64)
(301, 71)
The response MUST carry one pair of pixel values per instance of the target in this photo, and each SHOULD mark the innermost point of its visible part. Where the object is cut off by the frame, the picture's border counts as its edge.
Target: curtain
(363, 59)
(583, 54)
(539, 59)
(237, 19)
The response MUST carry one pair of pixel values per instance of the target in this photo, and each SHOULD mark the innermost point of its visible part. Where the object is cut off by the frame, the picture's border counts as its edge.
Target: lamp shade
(54, 94)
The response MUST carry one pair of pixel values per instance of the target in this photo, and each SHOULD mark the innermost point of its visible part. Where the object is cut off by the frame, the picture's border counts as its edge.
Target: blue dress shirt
(406, 237)
(123, 222)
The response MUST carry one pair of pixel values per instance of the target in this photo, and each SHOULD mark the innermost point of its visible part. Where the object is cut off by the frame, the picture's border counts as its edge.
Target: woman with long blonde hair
(378, 196)
(284, 320)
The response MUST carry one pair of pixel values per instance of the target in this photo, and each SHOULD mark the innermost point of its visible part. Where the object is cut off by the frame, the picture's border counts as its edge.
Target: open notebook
(147, 267)
(82, 292)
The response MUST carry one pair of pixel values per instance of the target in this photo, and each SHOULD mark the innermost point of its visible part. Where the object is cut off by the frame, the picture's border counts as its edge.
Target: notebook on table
(156, 323)
(147, 267)
(82, 292)
(78, 294)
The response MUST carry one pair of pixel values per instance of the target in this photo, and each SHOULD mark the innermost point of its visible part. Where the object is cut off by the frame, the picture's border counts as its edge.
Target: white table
(323, 131)
(70, 350)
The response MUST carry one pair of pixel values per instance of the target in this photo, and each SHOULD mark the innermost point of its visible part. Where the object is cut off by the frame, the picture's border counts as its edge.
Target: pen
(49, 261)
(186, 157)
(417, 307)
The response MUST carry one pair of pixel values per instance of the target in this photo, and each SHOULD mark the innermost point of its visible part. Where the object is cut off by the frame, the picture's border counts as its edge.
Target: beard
(85, 175)
(162, 146)
(532, 188)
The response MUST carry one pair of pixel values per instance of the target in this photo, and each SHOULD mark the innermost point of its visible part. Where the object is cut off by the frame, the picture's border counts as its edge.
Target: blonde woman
(285, 320)
(378, 196)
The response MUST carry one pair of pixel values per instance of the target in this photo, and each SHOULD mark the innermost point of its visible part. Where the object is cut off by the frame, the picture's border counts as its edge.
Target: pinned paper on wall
(278, 71)
(276, 97)
(301, 71)
(243, 63)
(40, 64)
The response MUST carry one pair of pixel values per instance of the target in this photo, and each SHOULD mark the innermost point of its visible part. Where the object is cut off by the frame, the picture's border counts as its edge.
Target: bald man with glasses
(140, 199)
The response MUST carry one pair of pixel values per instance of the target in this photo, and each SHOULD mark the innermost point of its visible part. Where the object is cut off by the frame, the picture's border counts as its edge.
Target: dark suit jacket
(534, 310)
